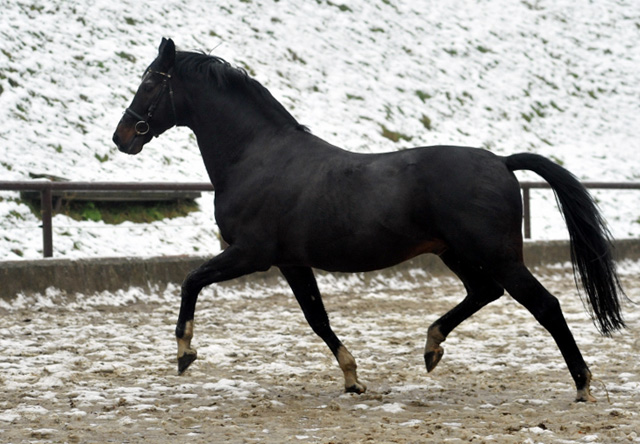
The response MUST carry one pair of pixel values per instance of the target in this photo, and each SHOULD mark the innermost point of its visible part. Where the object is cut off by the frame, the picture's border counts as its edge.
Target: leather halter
(142, 127)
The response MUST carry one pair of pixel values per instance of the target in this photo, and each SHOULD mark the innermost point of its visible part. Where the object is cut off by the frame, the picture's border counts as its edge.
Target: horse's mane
(223, 75)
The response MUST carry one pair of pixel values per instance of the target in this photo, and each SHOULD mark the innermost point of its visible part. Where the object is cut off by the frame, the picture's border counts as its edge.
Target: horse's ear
(167, 53)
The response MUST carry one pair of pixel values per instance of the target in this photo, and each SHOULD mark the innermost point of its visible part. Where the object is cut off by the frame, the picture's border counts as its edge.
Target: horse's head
(152, 110)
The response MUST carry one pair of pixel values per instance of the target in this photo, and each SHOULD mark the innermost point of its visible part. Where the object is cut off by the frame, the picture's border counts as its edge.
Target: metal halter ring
(142, 128)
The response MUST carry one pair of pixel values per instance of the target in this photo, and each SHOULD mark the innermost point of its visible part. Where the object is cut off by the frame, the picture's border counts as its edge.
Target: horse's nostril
(116, 139)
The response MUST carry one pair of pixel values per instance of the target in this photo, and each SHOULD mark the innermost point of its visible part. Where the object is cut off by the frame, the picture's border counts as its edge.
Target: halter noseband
(142, 126)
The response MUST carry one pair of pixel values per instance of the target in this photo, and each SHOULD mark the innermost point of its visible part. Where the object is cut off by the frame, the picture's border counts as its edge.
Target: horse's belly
(374, 255)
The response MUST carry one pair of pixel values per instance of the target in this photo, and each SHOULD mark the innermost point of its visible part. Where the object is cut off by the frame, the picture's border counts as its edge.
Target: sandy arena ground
(101, 369)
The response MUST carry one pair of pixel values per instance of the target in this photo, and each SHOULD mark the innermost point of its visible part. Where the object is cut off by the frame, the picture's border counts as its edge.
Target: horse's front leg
(229, 264)
(305, 288)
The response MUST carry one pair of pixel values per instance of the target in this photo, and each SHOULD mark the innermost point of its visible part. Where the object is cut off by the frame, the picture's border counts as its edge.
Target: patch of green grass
(394, 136)
(532, 5)
(16, 215)
(423, 95)
(115, 213)
(248, 69)
(426, 122)
(118, 212)
(555, 106)
(295, 57)
(126, 56)
(90, 212)
(527, 116)
(7, 54)
(82, 128)
(388, 111)
(546, 141)
(20, 115)
(547, 82)
(538, 109)
(557, 160)
(343, 8)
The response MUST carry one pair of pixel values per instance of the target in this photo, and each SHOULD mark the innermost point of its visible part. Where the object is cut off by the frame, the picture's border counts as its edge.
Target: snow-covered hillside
(560, 78)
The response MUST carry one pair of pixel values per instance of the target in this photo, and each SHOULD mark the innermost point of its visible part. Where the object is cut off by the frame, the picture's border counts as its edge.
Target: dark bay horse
(286, 198)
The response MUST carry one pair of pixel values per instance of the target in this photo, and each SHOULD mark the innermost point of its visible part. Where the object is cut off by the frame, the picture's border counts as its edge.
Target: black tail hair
(590, 239)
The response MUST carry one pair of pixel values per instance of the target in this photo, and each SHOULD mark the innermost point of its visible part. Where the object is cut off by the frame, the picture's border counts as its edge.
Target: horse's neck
(224, 142)
(229, 126)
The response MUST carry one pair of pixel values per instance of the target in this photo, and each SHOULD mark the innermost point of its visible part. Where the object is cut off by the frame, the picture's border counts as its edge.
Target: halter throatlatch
(142, 126)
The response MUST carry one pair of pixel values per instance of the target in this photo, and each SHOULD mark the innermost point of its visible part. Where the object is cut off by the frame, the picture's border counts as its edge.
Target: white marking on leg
(584, 394)
(432, 350)
(434, 339)
(184, 343)
(348, 365)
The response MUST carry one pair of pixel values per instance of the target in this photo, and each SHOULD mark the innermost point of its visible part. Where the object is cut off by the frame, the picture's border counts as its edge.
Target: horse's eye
(148, 86)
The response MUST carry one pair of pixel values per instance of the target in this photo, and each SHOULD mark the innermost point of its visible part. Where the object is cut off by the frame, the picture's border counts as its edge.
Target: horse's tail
(590, 239)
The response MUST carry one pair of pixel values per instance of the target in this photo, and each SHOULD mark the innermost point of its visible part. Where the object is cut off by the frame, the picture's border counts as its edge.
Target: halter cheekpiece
(142, 126)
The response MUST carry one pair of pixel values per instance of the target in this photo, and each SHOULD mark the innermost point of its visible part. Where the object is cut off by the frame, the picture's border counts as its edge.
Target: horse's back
(365, 211)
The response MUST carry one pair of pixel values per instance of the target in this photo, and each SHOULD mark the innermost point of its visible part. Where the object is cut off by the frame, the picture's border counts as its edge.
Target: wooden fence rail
(528, 186)
(46, 188)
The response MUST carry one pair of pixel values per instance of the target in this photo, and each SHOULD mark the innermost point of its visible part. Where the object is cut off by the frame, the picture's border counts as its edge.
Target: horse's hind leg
(305, 288)
(229, 264)
(481, 290)
(526, 289)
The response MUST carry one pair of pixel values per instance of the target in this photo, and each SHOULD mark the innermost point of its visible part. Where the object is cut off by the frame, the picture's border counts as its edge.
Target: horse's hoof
(432, 358)
(356, 388)
(584, 395)
(186, 359)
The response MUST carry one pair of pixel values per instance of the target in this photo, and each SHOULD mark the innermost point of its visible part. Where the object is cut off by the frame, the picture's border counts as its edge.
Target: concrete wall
(88, 276)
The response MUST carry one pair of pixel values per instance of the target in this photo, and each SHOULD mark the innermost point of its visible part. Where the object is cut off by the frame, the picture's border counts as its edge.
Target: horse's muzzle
(133, 147)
